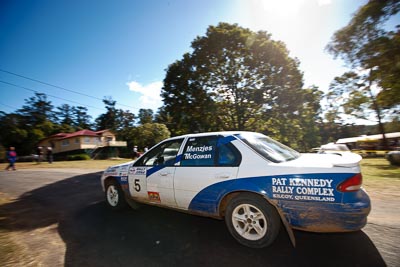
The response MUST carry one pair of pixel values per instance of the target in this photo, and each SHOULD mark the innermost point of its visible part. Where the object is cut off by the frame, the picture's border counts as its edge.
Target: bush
(78, 157)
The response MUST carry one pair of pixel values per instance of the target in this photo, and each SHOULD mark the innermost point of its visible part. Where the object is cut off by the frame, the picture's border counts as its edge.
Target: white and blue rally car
(255, 183)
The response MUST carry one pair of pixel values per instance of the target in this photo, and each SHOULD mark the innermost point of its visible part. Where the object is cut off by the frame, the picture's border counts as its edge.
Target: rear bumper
(328, 217)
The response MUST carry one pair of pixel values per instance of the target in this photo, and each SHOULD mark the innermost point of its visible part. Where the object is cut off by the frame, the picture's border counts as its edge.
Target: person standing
(50, 154)
(135, 152)
(12, 158)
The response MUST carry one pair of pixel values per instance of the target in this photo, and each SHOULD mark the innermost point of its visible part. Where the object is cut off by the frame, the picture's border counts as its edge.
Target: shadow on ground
(151, 236)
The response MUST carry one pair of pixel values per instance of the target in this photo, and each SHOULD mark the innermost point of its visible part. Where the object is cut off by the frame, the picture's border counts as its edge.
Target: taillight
(352, 184)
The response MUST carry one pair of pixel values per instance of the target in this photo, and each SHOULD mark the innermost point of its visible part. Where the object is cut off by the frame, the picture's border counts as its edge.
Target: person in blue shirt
(12, 158)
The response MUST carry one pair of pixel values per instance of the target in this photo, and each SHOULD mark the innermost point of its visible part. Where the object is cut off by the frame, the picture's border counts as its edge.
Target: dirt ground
(42, 240)
(384, 220)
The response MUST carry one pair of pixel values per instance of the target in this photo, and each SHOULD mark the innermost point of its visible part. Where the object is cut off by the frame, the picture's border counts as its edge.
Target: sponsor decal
(313, 189)
(154, 196)
(123, 171)
(112, 171)
(198, 152)
(137, 171)
(124, 168)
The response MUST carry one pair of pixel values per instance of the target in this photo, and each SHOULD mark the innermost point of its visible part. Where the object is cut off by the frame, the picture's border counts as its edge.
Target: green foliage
(236, 79)
(108, 120)
(149, 134)
(353, 42)
(352, 94)
(145, 116)
(37, 120)
(65, 114)
(81, 118)
(366, 45)
(388, 74)
(78, 157)
(36, 110)
(393, 126)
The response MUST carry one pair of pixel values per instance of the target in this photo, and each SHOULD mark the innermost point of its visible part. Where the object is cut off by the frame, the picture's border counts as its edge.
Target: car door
(151, 176)
(205, 161)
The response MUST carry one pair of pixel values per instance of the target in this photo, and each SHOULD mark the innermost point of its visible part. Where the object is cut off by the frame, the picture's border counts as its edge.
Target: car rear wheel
(114, 196)
(252, 220)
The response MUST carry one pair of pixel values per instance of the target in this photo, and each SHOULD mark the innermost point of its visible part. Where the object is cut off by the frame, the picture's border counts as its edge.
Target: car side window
(210, 151)
(228, 155)
(200, 151)
(163, 154)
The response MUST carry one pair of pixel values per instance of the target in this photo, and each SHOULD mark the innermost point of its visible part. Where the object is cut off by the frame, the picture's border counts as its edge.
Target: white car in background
(254, 183)
(334, 148)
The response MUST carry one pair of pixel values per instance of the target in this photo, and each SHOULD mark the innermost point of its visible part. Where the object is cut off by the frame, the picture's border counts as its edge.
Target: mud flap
(289, 229)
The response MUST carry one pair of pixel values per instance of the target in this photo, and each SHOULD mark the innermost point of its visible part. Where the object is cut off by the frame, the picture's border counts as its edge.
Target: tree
(81, 118)
(373, 52)
(145, 116)
(388, 72)
(187, 106)
(234, 79)
(126, 120)
(149, 134)
(12, 132)
(31, 123)
(64, 114)
(36, 110)
(37, 121)
(308, 116)
(108, 120)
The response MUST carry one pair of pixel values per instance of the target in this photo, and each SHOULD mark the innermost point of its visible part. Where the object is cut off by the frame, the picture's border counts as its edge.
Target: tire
(252, 221)
(115, 196)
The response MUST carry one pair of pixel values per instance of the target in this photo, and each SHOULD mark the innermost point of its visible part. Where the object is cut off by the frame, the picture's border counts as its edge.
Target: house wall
(73, 143)
(107, 137)
(81, 142)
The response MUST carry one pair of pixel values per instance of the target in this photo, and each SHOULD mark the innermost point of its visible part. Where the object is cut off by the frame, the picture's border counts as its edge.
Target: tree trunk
(379, 115)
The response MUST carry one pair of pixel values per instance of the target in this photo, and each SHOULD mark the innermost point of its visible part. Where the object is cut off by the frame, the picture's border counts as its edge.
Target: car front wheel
(252, 220)
(114, 196)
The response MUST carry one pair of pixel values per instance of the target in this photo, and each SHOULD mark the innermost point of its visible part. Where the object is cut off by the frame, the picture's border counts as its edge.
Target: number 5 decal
(137, 185)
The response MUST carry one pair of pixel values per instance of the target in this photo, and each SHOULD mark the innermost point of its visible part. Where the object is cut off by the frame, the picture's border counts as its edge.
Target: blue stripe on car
(160, 167)
(208, 199)
(331, 215)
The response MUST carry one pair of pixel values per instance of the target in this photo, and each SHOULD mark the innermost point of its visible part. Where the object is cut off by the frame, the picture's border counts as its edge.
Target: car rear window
(268, 148)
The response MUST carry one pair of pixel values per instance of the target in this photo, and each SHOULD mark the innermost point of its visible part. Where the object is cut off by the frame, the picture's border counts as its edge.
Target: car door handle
(222, 175)
(164, 173)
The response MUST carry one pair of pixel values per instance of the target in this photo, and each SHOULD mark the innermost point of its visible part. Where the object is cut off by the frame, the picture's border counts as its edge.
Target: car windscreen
(268, 147)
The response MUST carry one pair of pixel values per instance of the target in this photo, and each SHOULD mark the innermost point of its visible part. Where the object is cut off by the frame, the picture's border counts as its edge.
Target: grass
(378, 168)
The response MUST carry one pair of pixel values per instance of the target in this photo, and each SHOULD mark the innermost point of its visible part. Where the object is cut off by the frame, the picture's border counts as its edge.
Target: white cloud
(150, 94)
(324, 2)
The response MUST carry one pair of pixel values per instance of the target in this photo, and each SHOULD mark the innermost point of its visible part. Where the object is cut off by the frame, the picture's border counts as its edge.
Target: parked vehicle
(393, 157)
(334, 148)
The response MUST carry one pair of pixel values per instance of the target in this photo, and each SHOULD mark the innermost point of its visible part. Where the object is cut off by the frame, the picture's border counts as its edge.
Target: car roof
(224, 133)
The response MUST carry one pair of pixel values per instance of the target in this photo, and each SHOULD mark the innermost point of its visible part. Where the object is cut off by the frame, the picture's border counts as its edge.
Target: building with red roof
(81, 141)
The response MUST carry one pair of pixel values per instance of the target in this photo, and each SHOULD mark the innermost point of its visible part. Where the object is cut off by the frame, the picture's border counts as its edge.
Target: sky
(79, 51)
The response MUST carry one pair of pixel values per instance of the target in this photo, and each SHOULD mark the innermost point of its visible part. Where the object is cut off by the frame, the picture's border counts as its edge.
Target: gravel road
(59, 218)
